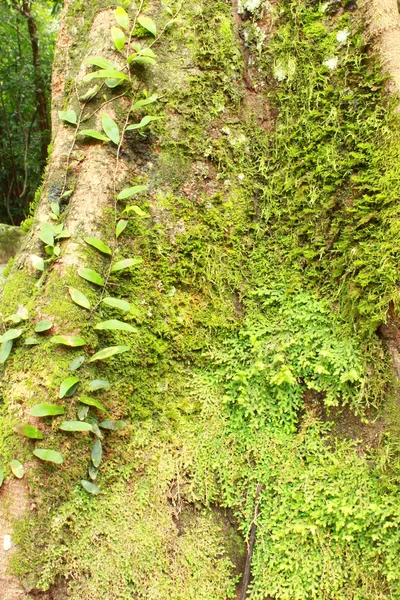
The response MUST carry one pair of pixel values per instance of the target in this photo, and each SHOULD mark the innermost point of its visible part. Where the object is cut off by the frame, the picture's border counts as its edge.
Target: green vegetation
(27, 35)
(268, 259)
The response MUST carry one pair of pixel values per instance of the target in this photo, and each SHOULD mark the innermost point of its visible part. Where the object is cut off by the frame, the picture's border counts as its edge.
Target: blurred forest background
(27, 36)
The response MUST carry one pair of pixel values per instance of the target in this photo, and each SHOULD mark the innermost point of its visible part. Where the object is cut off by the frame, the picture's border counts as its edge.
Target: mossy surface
(240, 351)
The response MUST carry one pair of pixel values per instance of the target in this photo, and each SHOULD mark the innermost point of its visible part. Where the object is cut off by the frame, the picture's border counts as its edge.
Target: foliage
(20, 143)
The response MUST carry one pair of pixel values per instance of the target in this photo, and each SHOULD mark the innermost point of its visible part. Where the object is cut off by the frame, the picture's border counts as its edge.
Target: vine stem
(73, 141)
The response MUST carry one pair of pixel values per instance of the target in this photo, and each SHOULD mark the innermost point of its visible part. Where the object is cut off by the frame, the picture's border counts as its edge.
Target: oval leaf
(93, 472)
(108, 352)
(117, 303)
(48, 455)
(115, 325)
(128, 192)
(121, 16)
(99, 245)
(99, 61)
(28, 431)
(94, 134)
(17, 468)
(105, 74)
(96, 454)
(68, 386)
(120, 227)
(91, 276)
(46, 410)
(43, 326)
(76, 363)
(110, 128)
(118, 37)
(126, 263)
(90, 93)
(90, 487)
(47, 234)
(134, 208)
(79, 298)
(113, 425)
(144, 102)
(68, 340)
(31, 341)
(148, 24)
(75, 426)
(68, 115)
(1, 477)
(11, 334)
(5, 350)
(92, 402)
(145, 121)
(98, 384)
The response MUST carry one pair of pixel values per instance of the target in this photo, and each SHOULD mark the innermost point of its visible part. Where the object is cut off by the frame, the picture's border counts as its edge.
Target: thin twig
(247, 569)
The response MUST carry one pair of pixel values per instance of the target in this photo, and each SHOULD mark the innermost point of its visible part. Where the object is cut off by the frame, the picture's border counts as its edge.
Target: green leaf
(79, 298)
(28, 431)
(46, 410)
(92, 402)
(68, 386)
(17, 469)
(145, 121)
(145, 102)
(136, 209)
(68, 340)
(128, 192)
(91, 91)
(83, 412)
(99, 61)
(122, 18)
(118, 38)
(93, 472)
(55, 207)
(148, 24)
(110, 128)
(115, 325)
(91, 276)
(37, 262)
(75, 426)
(98, 244)
(108, 352)
(94, 134)
(63, 235)
(69, 116)
(1, 477)
(96, 453)
(126, 263)
(49, 455)
(31, 341)
(113, 425)
(120, 227)
(76, 363)
(90, 487)
(43, 326)
(112, 83)
(141, 60)
(11, 334)
(96, 430)
(5, 350)
(47, 234)
(105, 74)
(117, 303)
(98, 384)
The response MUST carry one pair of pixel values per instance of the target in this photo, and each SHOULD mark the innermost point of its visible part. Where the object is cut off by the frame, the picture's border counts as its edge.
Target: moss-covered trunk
(259, 220)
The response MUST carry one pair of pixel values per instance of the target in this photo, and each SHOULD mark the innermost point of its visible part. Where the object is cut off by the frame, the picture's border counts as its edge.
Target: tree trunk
(194, 218)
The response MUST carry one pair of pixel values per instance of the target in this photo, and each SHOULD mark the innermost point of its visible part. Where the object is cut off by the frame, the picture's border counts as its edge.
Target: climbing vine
(53, 233)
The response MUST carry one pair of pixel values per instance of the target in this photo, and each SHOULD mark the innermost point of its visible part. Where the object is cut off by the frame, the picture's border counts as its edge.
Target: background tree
(27, 34)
